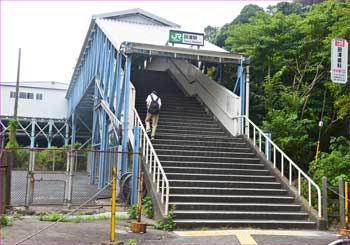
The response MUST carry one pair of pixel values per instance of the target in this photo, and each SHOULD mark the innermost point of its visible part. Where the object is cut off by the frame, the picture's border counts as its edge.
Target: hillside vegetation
(289, 45)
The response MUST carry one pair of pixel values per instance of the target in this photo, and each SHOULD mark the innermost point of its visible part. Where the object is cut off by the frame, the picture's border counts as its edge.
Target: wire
(64, 216)
(338, 194)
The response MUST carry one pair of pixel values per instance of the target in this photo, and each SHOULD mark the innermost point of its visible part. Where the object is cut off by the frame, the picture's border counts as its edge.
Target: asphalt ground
(97, 232)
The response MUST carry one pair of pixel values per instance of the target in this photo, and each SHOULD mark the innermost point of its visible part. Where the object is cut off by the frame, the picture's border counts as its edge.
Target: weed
(5, 220)
(78, 218)
(130, 242)
(169, 225)
(132, 211)
(147, 206)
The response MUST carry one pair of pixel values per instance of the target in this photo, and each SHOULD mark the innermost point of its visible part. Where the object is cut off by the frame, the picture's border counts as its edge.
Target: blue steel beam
(135, 166)
(126, 113)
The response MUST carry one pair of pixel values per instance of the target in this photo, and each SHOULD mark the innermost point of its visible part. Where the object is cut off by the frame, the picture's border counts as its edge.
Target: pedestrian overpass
(235, 173)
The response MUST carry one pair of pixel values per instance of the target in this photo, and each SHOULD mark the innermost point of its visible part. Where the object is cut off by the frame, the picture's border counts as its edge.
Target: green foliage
(133, 211)
(5, 220)
(169, 224)
(12, 143)
(289, 45)
(77, 218)
(46, 159)
(335, 164)
(147, 206)
(130, 242)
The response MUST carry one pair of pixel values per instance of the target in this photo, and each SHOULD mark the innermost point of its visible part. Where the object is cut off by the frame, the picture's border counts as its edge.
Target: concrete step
(208, 153)
(223, 183)
(236, 206)
(230, 171)
(210, 138)
(242, 215)
(187, 131)
(176, 116)
(207, 159)
(262, 224)
(216, 165)
(218, 177)
(226, 191)
(194, 147)
(229, 198)
(188, 128)
(233, 142)
(205, 124)
(174, 109)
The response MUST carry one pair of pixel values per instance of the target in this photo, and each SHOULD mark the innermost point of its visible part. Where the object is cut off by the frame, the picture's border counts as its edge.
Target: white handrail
(155, 168)
(274, 148)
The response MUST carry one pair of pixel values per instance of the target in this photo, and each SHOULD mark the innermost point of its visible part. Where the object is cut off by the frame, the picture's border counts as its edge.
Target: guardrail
(154, 166)
(280, 159)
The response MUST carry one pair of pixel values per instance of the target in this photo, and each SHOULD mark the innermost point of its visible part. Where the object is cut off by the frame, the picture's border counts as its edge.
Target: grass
(130, 242)
(5, 220)
(78, 218)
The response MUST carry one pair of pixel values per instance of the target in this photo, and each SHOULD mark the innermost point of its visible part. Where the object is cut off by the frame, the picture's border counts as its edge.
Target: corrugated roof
(121, 31)
(120, 15)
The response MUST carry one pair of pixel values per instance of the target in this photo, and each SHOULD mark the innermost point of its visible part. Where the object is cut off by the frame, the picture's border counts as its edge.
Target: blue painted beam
(126, 114)
(135, 166)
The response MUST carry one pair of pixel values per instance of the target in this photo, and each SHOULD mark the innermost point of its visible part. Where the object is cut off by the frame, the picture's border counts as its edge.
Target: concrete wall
(53, 104)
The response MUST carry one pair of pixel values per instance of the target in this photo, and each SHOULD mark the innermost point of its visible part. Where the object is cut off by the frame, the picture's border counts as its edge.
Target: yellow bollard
(114, 183)
(317, 150)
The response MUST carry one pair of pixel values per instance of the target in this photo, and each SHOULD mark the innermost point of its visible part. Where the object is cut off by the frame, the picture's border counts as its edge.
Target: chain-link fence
(57, 176)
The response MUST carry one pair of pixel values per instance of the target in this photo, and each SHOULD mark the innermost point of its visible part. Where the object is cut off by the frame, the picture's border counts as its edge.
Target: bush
(5, 220)
(169, 225)
(132, 211)
(333, 165)
(147, 206)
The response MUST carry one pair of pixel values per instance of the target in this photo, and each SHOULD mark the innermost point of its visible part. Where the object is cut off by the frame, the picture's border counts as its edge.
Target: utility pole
(17, 85)
(13, 138)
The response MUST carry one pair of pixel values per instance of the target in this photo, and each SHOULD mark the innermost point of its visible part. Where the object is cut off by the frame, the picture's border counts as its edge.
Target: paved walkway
(95, 232)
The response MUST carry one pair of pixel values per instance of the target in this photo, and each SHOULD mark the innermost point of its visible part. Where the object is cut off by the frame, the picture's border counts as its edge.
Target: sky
(51, 34)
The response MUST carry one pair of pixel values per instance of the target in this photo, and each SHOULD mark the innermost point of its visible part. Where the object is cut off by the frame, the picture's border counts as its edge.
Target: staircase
(216, 180)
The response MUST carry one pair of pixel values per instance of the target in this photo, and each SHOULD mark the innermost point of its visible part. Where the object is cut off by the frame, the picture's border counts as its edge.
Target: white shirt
(149, 100)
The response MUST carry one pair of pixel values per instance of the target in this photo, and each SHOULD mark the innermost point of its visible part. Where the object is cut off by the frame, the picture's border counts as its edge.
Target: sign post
(339, 61)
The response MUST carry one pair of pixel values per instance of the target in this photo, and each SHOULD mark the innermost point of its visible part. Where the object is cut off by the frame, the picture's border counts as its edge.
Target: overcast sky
(51, 34)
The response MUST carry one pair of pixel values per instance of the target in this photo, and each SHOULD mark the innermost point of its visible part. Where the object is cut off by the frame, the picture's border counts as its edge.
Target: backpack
(154, 106)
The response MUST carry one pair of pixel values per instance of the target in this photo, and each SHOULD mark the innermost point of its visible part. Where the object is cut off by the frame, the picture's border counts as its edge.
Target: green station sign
(189, 38)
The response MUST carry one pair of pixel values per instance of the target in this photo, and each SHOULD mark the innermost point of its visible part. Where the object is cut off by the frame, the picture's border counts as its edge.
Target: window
(25, 95)
(22, 95)
(12, 94)
(39, 96)
(30, 96)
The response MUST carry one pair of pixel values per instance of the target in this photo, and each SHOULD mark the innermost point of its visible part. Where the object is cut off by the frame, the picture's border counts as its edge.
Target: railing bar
(290, 173)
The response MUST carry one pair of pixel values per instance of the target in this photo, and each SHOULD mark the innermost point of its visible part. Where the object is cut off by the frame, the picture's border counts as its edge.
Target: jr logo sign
(176, 37)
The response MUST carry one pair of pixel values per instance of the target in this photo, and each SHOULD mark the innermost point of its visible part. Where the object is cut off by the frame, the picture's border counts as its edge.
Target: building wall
(53, 104)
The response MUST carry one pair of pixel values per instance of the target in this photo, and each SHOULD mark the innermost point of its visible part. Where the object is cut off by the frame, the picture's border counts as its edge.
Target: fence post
(324, 198)
(30, 179)
(70, 177)
(341, 202)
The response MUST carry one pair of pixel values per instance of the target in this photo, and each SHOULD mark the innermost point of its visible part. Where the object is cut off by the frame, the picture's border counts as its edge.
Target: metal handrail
(292, 164)
(155, 168)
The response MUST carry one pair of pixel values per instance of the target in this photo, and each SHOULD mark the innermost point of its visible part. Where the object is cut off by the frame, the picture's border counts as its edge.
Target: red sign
(339, 43)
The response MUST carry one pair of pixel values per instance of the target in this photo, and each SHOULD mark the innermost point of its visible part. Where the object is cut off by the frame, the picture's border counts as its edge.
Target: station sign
(339, 61)
(189, 38)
